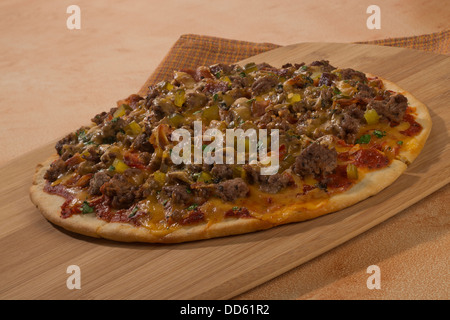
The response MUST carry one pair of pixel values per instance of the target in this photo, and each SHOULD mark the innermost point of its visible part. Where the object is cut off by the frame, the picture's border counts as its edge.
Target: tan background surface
(53, 80)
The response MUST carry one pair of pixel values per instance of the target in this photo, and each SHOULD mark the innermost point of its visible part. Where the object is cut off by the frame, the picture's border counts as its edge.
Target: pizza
(342, 136)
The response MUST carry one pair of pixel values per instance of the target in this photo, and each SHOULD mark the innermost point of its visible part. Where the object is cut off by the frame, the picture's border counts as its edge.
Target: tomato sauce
(133, 160)
(339, 179)
(68, 208)
(370, 158)
(414, 127)
(101, 206)
(193, 216)
(59, 189)
(344, 156)
(307, 188)
(102, 209)
(238, 213)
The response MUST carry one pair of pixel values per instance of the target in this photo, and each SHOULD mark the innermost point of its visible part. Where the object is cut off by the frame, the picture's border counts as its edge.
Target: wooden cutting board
(34, 254)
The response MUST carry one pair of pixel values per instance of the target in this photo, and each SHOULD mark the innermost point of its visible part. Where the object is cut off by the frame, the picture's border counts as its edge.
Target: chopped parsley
(364, 139)
(133, 213)
(400, 142)
(86, 208)
(192, 207)
(82, 136)
(379, 134)
(336, 90)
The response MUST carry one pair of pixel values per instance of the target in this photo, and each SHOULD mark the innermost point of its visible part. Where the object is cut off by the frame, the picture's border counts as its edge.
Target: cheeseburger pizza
(341, 136)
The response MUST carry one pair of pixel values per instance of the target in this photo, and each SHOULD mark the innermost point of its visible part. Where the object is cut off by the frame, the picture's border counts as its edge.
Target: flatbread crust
(372, 183)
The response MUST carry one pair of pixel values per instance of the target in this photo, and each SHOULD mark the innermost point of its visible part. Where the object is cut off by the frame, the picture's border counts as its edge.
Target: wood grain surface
(34, 254)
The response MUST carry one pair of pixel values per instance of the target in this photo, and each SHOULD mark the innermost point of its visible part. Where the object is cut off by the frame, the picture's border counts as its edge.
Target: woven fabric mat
(191, 51)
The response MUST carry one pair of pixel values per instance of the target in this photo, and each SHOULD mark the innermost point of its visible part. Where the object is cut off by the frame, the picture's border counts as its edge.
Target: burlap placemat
(191, 51)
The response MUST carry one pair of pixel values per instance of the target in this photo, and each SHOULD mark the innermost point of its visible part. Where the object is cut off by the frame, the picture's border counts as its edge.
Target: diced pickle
(316, 75)
(287, 162)
(250, 67)
(294, 97)
(133, 128)
(175, 120)
(352, 171)
(168, 86)
(238, 172)
(226, 79)
(205, 177)
(165, 85)
(119, 166)
(242, 113)
(120, 111)
(179, 98)
(229, 100)
(371, 116)
(85, 154)
(159, 177)
(211, 113)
